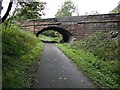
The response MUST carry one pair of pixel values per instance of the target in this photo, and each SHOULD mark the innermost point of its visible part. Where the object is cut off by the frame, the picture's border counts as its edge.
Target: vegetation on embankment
(97, 56)
(48, 38)
(20, 53)
(50, 35)
(101, 45)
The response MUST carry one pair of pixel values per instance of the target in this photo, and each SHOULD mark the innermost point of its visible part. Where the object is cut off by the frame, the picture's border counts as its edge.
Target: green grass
(20, 53)
(101, 45)
(49, 38)
(103, 73)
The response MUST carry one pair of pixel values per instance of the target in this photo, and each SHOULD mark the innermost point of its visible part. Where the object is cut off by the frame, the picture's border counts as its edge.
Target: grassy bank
(20, 53)
(49, 38)
(101, 69)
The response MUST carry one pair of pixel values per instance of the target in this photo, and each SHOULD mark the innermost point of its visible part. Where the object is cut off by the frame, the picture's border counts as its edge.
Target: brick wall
(79, 26)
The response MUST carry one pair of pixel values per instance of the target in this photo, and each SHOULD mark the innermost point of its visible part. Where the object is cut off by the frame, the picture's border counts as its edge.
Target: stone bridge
(77, 27)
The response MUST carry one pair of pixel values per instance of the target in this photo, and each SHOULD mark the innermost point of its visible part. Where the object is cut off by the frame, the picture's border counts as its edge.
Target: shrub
(20, 52)
(101, 45)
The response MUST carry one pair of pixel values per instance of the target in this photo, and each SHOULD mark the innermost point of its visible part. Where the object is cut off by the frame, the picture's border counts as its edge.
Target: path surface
(57, 71)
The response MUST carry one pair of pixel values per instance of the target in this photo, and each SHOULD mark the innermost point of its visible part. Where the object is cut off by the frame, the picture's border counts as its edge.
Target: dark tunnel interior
(65, 34)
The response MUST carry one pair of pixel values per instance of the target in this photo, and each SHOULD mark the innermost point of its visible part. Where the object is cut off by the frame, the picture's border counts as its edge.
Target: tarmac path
(57, 71)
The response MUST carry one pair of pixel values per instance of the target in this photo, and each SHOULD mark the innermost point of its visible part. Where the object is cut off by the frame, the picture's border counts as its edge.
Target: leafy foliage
(66, 9)
(50, 39)
(30, 10)
(116, 10)
(101, 45)
(20, 54)
(51, 33)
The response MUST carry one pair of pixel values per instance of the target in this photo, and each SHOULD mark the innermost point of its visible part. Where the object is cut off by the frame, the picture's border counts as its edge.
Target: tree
(116, 10)
(66, 9)
(30, 10)
(51, 33)
(7, 12)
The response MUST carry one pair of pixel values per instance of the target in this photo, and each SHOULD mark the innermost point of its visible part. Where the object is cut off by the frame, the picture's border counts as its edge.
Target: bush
(20, 52)
(101, 45)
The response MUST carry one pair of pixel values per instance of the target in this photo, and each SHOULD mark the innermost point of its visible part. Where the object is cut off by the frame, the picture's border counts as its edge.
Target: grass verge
(103, 73)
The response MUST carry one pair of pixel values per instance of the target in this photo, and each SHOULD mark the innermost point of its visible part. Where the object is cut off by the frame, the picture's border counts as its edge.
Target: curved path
(57, 71)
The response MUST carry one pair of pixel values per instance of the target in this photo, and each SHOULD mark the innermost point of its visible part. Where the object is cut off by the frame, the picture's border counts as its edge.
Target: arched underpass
(65, 34)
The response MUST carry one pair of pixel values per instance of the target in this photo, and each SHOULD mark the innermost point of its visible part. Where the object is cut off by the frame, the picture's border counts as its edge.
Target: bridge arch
(65, 33)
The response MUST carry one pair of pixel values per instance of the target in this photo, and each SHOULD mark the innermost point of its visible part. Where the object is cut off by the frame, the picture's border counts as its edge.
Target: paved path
(57, 71)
